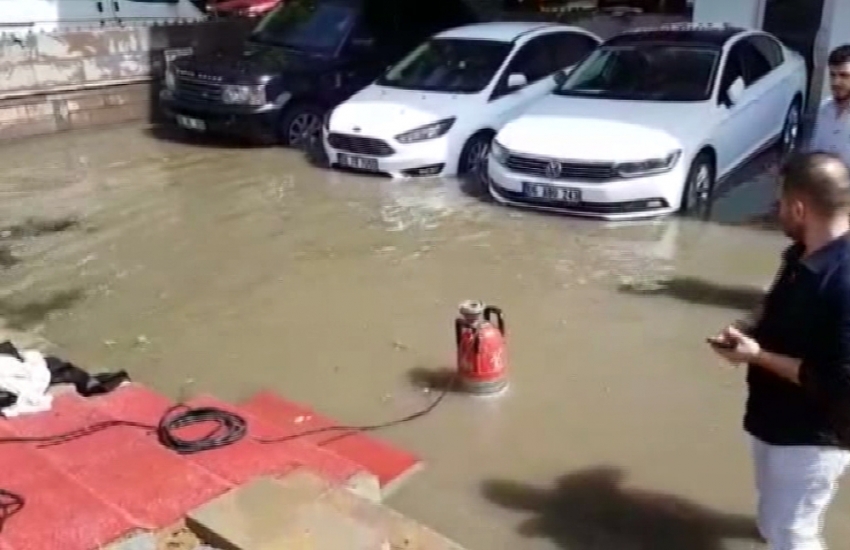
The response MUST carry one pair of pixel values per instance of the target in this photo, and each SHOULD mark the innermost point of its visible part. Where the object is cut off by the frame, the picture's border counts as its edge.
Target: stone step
(303, 510)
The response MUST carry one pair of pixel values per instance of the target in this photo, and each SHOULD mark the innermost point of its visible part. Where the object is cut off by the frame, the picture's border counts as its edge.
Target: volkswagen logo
(553, 169)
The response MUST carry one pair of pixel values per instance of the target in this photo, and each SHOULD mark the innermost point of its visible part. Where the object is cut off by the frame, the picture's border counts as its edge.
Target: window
(534, 60)
(756, 65)
(734, 68)
(307, 26)
(645, 71)
(769, 48)
(568, 48)
(451, 65)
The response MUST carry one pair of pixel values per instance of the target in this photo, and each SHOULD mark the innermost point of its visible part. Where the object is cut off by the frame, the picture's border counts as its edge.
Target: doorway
(796, 23)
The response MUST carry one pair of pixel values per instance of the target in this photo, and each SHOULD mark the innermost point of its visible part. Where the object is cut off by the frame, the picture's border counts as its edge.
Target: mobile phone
(721, 344)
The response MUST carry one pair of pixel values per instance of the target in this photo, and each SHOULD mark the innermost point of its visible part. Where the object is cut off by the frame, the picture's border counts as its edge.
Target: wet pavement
(225, 270)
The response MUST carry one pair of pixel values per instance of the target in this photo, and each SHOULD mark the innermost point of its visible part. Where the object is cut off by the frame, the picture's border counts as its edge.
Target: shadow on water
(593, 509)
(701, 292)
(23, 316)
(434, 379)
(172, 134)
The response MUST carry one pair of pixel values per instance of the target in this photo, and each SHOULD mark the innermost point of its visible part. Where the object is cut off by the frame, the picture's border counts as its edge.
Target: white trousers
(795, 486)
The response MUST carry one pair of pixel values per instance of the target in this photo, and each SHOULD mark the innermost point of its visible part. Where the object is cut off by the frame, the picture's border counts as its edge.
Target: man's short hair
(821, 179)
(839, 56)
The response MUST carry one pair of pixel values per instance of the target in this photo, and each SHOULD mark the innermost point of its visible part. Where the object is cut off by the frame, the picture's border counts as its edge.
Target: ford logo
(356, 129)
(553, 169)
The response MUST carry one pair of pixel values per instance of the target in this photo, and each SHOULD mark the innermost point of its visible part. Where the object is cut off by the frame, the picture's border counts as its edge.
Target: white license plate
(552, 192)
(191, 123)
(357, 163)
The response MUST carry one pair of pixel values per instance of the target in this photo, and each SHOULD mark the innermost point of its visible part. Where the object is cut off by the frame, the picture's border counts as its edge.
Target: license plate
(358, 163)
(552, 192)
(191, 123)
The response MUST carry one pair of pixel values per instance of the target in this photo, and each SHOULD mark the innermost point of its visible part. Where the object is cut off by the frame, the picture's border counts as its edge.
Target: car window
(733, 69)
(770, 48)
(756, 64)
(307, 26)
(568, 48)
(645, 71)
(534, 60)
(450, 65)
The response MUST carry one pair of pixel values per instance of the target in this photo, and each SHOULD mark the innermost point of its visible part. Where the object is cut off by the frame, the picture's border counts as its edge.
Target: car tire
(789, 139)
(473, 157)
(300, 126)
(699, 185)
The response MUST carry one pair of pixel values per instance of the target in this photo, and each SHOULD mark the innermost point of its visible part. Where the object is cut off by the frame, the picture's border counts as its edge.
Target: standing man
(832, 126)
(798, 356)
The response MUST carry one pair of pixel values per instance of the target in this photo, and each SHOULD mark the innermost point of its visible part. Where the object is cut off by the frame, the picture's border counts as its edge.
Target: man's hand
(735, 346)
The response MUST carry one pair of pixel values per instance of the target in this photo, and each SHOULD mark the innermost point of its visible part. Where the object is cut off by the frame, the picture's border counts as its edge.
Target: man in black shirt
(798, 356)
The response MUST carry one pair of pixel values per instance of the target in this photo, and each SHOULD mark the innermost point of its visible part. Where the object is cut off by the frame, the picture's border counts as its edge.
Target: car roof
(697, 34)
(503, 31)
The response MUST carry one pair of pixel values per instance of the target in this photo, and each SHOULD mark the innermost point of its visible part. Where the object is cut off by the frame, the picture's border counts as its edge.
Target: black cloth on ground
(63, 372)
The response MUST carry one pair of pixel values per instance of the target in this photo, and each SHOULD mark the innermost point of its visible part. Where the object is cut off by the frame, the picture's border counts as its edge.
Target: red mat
(388, 463)
(243, 460)
(123, 466)
(59, 513)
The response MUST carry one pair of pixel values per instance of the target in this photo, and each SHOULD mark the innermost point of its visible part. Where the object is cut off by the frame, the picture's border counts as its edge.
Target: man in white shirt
(832, 126)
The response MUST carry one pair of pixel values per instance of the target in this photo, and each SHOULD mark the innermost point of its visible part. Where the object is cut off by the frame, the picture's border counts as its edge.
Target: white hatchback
(435, 112)
(649, 122)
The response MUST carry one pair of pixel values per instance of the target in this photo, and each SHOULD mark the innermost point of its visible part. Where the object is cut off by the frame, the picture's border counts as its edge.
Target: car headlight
(648, 167)
(429, 131)
(498, 152)
(170, 79)
(243, 95)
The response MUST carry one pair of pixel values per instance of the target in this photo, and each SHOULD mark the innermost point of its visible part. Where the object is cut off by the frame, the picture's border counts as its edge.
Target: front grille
(569, 170)
(360, 145)
(198, 89)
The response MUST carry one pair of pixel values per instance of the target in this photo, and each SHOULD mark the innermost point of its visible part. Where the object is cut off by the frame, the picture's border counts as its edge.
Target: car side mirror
(735, 91)
(516, 81)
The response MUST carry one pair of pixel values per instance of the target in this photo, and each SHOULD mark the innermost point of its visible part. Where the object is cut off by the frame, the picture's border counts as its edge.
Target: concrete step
(303, 510)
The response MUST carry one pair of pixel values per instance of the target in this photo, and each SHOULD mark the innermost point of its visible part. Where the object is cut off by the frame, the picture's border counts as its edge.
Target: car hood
(386, 112)
(252, 63)
(603, 130)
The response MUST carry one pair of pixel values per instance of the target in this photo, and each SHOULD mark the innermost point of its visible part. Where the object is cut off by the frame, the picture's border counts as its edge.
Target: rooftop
(501, 31)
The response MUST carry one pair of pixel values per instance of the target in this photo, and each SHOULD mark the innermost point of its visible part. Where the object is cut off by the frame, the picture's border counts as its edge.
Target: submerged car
(435, 112)
(303, 58)
(648, 123)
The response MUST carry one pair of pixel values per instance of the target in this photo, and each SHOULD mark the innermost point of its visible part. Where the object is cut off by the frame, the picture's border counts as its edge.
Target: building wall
(744, 13)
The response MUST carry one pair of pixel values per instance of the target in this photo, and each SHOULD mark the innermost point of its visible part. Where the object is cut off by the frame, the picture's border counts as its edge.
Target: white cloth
(29, 380)
(795, 486)
(832, 132)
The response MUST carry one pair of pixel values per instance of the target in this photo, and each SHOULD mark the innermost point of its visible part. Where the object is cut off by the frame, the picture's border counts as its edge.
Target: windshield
(307, 25)
(449, 65)
(647, 72)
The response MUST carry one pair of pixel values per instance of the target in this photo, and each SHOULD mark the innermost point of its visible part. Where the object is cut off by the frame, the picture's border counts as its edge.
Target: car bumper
(628, 199)
(240, 121)
(416, 160)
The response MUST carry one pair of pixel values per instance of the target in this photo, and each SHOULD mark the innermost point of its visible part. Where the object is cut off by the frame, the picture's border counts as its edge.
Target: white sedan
(435, 112)
(648, 123)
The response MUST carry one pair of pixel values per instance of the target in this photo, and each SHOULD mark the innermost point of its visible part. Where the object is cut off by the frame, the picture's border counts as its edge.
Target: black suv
(302, 59)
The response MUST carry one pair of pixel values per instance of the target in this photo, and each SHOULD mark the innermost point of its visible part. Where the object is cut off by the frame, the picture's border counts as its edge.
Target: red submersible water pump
(481, 358)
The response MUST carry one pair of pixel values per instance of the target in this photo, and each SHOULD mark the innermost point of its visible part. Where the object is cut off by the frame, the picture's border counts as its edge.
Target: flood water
(228, 270)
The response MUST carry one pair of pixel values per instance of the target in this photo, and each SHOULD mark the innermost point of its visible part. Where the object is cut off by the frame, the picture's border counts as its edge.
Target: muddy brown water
(241, 269)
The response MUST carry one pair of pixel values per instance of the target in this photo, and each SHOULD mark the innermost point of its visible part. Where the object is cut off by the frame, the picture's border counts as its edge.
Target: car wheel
(301, 126)
(699, 186)
(473, 157)
(790, 137)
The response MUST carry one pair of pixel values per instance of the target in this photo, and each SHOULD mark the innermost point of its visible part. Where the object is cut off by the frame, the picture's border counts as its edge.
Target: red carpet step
(391, 465)
(241, 461)
(59, 513)
(123, 466)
